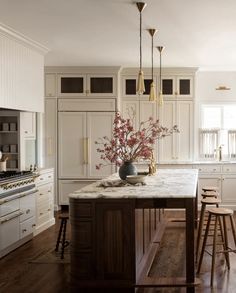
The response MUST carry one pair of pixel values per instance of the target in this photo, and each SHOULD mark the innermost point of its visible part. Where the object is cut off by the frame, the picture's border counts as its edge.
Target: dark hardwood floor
(19, 274)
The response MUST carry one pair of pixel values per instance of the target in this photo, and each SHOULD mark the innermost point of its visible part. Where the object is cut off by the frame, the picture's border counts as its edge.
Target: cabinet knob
(34, 225)
(24, 230)
(26, 131)
(28, 211)
(41, 214)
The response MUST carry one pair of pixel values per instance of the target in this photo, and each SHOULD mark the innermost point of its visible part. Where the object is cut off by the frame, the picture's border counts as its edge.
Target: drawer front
(68, 186)
(27, 206)
(229, 168)
(45, 191)
(9, 207)
(208, 168)
(44, 178)
(27, 227)
(43, 218)
(86, 105)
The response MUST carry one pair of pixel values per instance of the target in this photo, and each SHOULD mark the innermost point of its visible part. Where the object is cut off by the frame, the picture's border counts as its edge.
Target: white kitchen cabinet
(50, 85)
(78, 132)
(179, 146)
(50, 138)
(228, 188)
(99, 85)
(68, 186)
(44, 200)
(177, 86)
(28, 125)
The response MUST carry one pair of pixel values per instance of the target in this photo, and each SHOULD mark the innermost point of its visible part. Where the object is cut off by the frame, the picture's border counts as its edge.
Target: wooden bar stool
(220, 215)
(62, 234)
(205, 201)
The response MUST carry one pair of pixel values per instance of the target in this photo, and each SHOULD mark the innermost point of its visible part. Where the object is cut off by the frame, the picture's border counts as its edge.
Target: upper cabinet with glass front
(177, 86)
(98, 85)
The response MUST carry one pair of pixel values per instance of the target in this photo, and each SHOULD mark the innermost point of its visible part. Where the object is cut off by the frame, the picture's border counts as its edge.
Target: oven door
(9, 229)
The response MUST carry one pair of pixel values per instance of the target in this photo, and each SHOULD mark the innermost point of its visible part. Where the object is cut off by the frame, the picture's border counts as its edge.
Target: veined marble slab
(166, 183)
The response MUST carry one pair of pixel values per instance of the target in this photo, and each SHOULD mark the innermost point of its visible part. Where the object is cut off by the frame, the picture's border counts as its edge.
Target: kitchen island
(105, 230)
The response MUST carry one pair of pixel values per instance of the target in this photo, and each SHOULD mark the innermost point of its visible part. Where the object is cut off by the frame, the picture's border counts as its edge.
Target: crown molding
(22, 39)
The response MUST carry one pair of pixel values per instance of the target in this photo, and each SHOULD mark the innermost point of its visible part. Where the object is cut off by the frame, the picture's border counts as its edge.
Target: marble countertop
(166, 183)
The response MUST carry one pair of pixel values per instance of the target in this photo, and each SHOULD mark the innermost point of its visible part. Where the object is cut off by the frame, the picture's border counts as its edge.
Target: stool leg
(223, 240)
(226, 242)
(63, 240)
(214, 251)
(199, 234)
(204, 243)
(233, 228)
(59, 236)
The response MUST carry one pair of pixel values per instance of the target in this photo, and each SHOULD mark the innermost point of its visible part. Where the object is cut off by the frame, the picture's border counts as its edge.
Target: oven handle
(32, 191)
(12, 217)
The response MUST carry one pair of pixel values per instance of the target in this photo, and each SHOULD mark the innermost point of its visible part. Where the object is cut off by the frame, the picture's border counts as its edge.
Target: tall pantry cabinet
(86, 100)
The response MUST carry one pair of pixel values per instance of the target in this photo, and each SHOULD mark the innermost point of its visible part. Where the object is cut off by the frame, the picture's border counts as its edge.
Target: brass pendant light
(160, 100)
(152, 95)
(140, 83)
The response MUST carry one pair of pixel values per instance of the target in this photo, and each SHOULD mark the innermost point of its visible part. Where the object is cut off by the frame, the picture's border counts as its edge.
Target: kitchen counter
(174, 183)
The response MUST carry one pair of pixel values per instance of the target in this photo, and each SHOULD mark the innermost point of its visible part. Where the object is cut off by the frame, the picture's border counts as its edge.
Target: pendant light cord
(160, 74)
(152, 58)
(140, 43)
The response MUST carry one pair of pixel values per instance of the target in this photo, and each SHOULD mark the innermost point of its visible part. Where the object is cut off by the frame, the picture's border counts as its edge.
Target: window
(218, 128)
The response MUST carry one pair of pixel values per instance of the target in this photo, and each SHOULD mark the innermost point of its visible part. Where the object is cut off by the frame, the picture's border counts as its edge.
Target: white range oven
(17, 209)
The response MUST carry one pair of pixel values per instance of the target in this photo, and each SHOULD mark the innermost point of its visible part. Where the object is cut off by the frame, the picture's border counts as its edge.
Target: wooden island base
(114, 241)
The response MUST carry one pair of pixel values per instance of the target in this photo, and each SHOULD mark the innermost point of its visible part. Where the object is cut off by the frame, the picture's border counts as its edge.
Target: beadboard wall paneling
(21, 76)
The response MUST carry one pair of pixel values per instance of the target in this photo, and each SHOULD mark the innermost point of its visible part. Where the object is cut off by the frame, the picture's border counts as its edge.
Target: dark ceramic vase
(127, 169)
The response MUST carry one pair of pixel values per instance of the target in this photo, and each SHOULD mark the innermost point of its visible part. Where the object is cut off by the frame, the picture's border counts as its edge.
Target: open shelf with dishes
(9, 139)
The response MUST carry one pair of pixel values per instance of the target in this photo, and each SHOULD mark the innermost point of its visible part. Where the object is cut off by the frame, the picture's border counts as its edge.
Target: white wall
(206, 83)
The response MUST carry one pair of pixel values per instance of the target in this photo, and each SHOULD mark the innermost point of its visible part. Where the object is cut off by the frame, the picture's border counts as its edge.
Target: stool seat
(210, 200)
(220, 211)
(210, 188)
(64, 216)
(209, 194)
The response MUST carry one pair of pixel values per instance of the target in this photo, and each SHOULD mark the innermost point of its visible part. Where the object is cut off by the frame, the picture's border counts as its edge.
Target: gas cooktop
(4, 176)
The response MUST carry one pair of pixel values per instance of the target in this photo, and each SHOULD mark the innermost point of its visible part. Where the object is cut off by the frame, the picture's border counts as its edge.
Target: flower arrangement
(128, 144)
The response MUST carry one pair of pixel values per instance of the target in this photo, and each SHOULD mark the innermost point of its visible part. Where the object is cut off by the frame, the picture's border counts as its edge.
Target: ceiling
(106, 32)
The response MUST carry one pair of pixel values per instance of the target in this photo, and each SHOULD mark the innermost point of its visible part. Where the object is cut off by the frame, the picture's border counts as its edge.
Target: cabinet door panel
(167, 144)
(101, 85)
(71, 85)
(68, 186)
(228, 189)
(185, 125)
(130, 109)
(184, 86)
(99, 124)
(71, 143)
(50, 85)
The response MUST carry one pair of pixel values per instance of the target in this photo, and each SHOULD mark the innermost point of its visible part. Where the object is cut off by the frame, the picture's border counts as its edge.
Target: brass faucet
(219, 152)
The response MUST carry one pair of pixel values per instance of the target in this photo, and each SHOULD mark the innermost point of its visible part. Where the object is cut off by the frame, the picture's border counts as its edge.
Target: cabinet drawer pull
(49, 176)
(24, 230)
(49, 210)
(49, 191)
(34, 225)
(28, 211)
(26, 131)
(41, 178)
(41, 214)
(41, 194)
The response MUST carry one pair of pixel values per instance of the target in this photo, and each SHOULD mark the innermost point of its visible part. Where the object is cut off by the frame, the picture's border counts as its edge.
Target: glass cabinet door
(100, 85)
(168, 86)
(72, 85)
(184, 86)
